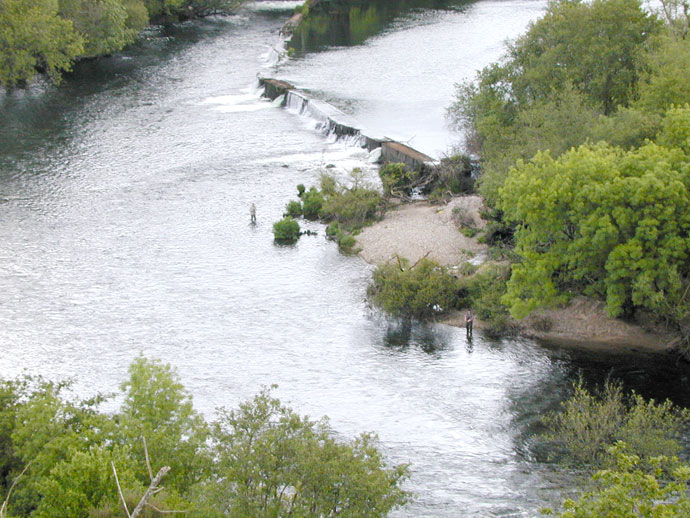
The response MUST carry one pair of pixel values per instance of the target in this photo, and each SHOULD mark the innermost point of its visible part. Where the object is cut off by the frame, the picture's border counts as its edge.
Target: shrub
(454, 174)
(589, 423)
(328, 184)
(300, 190)
(421, 291)
(332, 229)
(312, 201)
(469, 231)
(395, 175)
(286, 230)
(467, 269)
(352, 207)
(485, 290)
(346, 242)
(293, 209)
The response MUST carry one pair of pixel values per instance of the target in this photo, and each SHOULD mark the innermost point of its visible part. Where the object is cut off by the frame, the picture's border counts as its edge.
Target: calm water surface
(124, 198)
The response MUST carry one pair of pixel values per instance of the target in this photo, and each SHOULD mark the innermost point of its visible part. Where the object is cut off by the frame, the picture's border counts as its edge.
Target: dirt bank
(414, 230)
(417, 229)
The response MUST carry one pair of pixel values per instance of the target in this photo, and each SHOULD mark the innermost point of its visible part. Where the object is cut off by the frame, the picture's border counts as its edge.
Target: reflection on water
(352, 22)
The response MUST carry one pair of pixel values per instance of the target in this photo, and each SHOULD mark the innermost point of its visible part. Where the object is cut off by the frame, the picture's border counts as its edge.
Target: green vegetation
(50, 35)
(629, 490)
(286, 230)
(273, 462)
(262, 459)
(347, 208)
(583, 135)
(421, 291)
(635, 441)
(588, 423)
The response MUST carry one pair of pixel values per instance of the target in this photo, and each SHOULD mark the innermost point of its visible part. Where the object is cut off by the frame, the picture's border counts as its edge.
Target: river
(124, 201)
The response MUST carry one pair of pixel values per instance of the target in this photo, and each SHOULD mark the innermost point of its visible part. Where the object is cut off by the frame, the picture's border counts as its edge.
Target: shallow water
(124, 201)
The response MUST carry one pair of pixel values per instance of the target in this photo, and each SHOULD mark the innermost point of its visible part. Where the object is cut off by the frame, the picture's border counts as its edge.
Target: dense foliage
(286, 230)
(587, 423)
(582, 130)
(603, 222)
(262, 459)
(420, 291)
(49, 35)
(629, 490)
(346, 207)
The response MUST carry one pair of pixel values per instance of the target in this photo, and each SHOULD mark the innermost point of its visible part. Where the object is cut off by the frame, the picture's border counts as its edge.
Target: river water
(124, 197)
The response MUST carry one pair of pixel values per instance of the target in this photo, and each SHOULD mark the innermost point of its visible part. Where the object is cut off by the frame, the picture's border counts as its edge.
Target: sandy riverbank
(413, 230)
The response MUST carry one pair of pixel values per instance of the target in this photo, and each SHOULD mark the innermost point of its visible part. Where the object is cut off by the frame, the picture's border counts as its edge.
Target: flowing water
(124, 201)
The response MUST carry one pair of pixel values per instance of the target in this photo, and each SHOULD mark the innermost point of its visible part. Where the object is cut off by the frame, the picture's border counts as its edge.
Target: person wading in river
(469, 319)
(252, 213)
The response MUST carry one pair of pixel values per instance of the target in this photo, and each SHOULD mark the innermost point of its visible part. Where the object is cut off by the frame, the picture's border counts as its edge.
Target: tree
(158, 408)
(603, 222)
(629, 491)
(49, 430)
(667, 80)
(34, 38)
(581, 432)
(102, 24)
(272, 462)
(84, 481)
(579, 61)
(421, 291)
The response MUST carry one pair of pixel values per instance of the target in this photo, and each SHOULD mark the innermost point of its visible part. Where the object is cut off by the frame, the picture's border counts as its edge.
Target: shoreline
(418, 229)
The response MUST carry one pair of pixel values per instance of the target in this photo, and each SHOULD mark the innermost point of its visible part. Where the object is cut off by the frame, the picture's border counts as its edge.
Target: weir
(333, 122)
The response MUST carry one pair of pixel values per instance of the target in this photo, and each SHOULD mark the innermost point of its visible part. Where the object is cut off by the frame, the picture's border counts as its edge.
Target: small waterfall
(326, 119)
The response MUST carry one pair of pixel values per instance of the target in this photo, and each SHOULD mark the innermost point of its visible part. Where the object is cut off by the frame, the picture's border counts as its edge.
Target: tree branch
(3, 509)
(149, 492)
(119, 490)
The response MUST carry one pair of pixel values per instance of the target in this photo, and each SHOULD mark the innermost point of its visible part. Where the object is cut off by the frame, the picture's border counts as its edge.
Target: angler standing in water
(252, 213)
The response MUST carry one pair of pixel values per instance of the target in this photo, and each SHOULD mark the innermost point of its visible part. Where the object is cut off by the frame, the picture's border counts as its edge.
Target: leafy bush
(589, 423)
(345, 240)
(467, 269)
(312, 201)
(270, 459)
(421, 291)
(352, 207)
(286, 230)
(484, 292)
(629, 489)
(300, 190)
(293, 209)
(396, 175)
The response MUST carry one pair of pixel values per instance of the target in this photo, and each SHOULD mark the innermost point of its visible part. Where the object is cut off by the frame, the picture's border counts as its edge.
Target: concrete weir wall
(332, 121)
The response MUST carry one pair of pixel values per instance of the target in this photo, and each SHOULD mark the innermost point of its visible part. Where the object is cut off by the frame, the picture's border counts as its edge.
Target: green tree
(667, 80)
(84, 481)
(158, 408)
(102, 24)
(603, 222)
(48, 430)
(579, 61)
(272, 462)
(631, 491)
(34, 38)
(421, 291)
(587, 423)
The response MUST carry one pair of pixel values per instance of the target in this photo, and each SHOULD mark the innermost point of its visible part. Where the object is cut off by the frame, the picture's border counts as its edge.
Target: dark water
(352, 23)
(124, 198)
